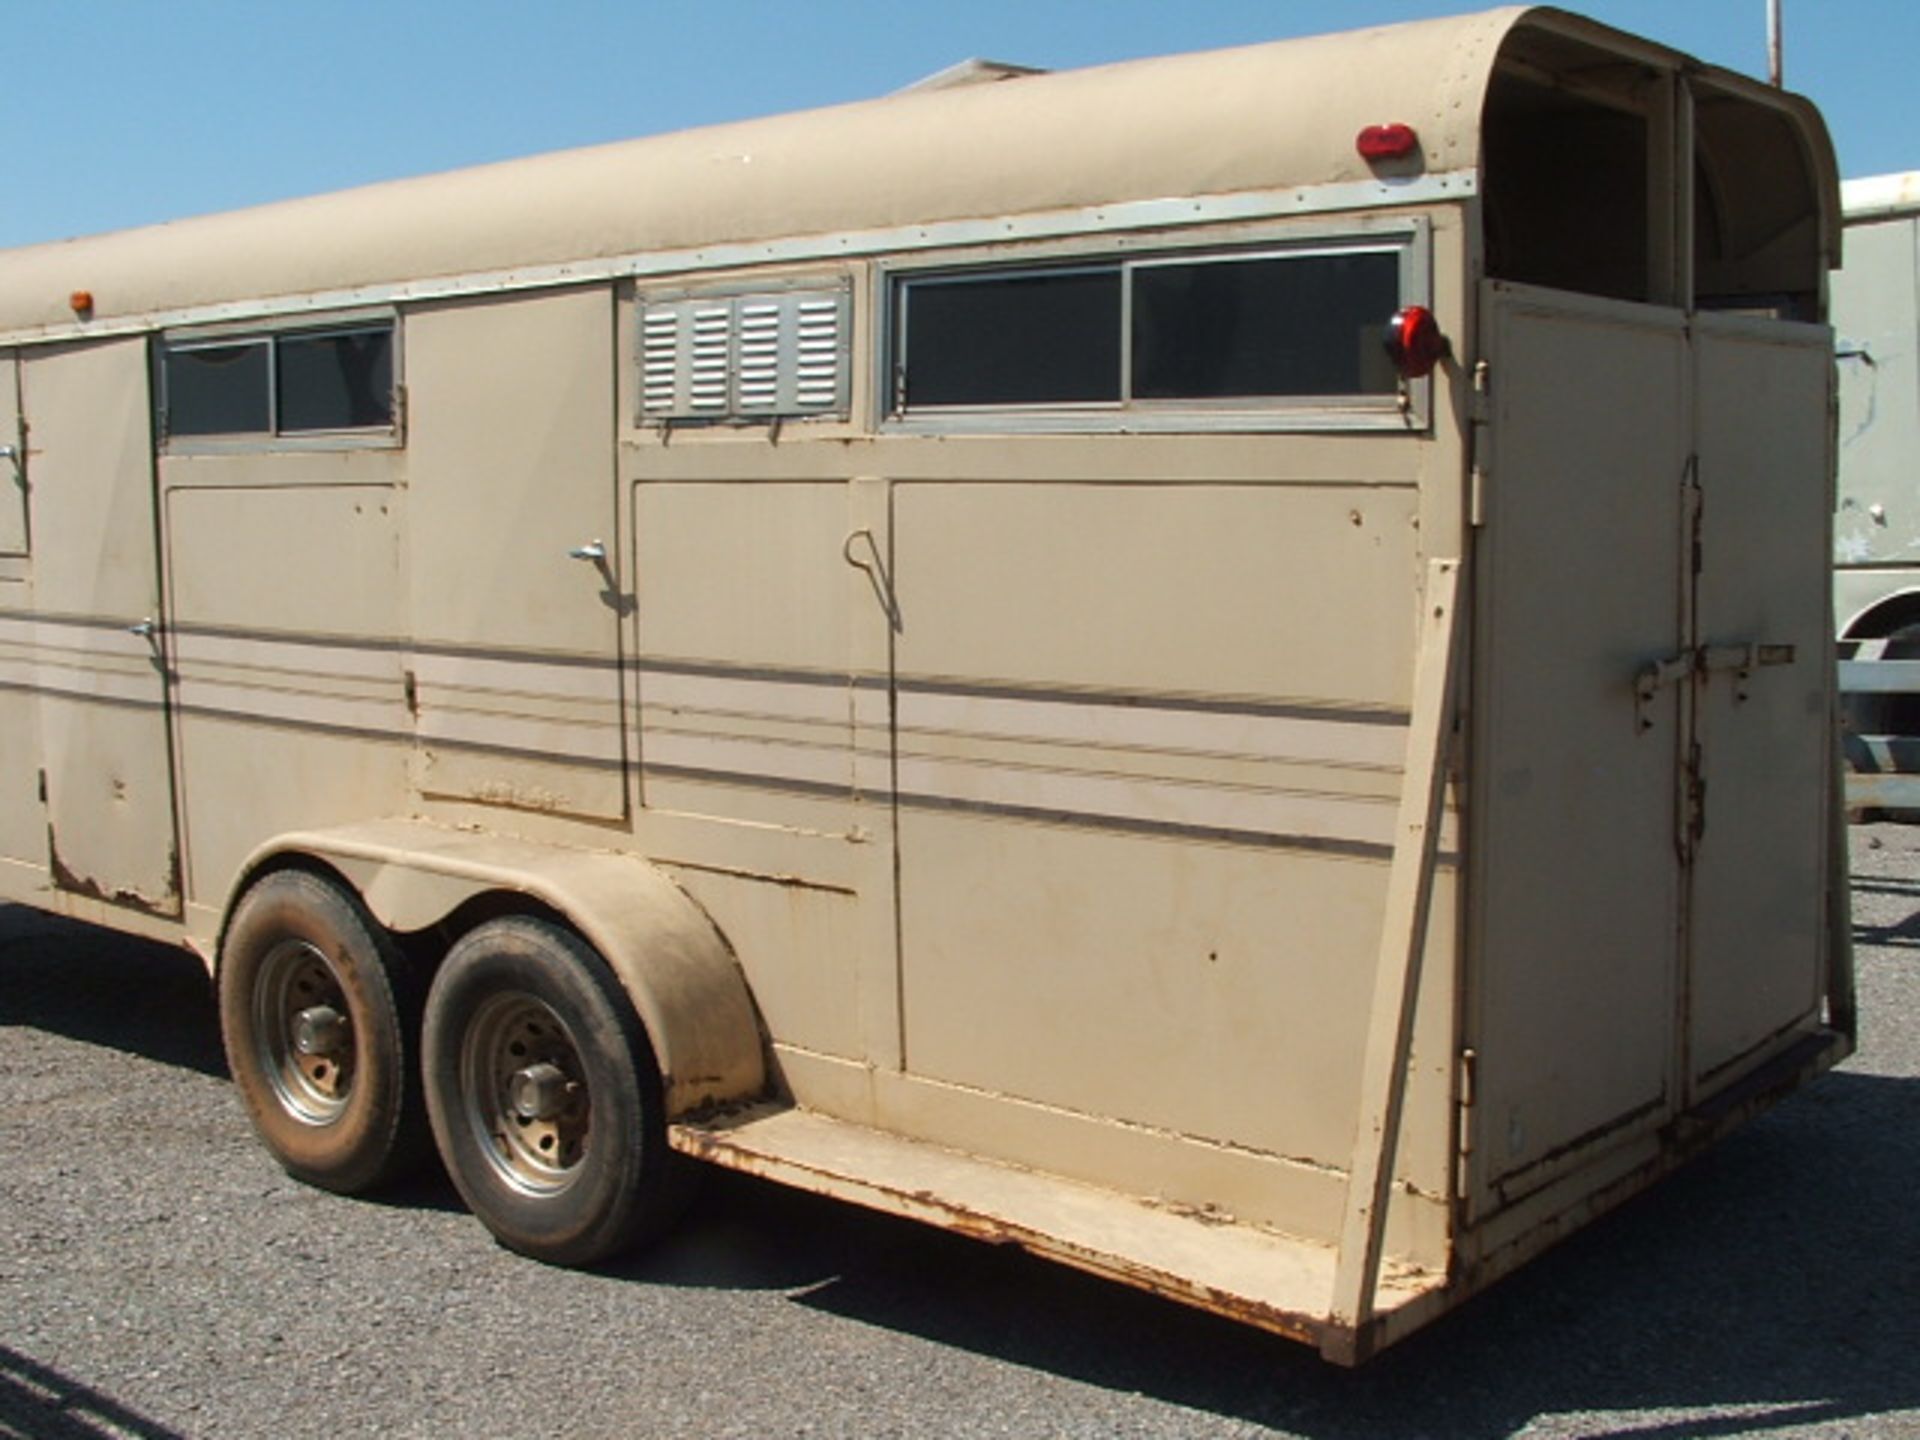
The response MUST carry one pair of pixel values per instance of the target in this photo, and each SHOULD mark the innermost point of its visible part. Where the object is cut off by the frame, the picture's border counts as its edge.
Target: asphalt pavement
(160, 1277)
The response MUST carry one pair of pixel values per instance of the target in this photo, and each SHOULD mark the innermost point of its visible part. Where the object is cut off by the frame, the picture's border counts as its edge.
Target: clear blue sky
(123, 112)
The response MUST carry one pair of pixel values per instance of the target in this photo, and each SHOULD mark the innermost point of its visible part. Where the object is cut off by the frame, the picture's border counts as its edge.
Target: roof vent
(970, 72)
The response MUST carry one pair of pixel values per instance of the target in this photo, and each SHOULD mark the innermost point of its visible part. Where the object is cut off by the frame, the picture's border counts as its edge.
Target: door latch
(1741, 659)
(862, 552)
(1647, 685)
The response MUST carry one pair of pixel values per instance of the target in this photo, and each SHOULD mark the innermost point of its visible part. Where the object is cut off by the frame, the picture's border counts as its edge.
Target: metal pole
(1774, 67)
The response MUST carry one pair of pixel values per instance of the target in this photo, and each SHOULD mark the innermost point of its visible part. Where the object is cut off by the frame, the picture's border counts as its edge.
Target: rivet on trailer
(1240, 697)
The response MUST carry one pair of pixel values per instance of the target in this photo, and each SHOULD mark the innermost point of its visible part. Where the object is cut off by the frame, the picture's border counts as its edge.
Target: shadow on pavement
(1772, 1284)
(108, 989)
(40, 1402)
(1901, 934)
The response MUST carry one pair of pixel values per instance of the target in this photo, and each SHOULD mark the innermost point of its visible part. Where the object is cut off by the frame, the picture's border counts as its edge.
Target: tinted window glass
(1300, 325)
(342, 381)
(1033, 339)
(217, 390)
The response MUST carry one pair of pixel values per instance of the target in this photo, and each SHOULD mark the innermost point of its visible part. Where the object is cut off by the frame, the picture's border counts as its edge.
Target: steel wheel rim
(296, 980)
(525, 1094)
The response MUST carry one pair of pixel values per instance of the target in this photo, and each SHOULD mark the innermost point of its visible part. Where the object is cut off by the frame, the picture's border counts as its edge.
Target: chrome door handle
(594, 551)
(146, 630)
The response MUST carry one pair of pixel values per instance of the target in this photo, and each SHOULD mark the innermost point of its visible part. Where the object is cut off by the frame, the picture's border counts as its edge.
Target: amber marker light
(1386, 142)
(81, 302)
(1414, 342)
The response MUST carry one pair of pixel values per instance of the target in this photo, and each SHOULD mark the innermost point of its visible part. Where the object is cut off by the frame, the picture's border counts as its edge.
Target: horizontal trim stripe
(910, 684)
(27, 622)
(384, 715)
(1158, 829)
(822, 767)
(271, 657)
(1219, 768)
(1154, 729)
(86, 682)
(756, 697)
(1129, 825)
(650, 666)
(1344, 714)
(1171, 212)
(331, 730)
(404, 737)
(80, 697)
(426, 653)
(1183, 805)
(554, 741)
(518, 675)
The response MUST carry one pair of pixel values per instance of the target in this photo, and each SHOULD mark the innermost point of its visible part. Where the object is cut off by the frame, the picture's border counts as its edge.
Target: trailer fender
(676, 966)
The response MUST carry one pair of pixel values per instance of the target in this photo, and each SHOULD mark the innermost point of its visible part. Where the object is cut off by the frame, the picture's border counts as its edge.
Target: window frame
(391, 435)
(1409, 407)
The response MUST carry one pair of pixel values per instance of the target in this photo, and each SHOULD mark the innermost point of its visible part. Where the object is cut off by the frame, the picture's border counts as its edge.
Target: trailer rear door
(1763, 691)
(1653, 701)
(1575, 880)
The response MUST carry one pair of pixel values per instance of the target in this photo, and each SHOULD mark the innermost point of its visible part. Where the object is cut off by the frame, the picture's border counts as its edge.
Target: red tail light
(1414, 342)
(1386, 142)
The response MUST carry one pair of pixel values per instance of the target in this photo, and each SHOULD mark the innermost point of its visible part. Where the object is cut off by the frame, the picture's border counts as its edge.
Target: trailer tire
(545, 1097)
(319, 1011)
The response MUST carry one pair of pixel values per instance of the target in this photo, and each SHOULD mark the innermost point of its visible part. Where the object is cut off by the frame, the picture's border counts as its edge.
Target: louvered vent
(782, 353)
(707, 359)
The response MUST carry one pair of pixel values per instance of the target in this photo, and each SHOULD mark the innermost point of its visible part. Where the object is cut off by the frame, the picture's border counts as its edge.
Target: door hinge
(1480, 413)
(1469, 1086)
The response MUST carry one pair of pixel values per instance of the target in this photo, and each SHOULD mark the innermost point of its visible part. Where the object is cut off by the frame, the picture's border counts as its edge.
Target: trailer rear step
(1278, 1282)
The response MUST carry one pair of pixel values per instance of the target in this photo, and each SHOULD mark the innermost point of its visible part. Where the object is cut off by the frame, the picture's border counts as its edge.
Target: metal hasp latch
(1646, 685)
(1741, 658)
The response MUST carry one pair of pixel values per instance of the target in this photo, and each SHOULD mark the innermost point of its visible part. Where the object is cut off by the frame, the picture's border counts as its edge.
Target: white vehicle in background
(1876, 538)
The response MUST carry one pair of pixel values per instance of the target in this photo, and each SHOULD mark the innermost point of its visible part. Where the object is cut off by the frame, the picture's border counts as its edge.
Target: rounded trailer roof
(1260, 118)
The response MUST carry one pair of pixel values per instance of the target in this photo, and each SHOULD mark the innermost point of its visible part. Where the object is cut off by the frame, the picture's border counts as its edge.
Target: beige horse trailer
(1215, 667)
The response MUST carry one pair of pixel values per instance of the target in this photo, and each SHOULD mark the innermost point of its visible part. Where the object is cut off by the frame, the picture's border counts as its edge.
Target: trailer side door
(99, 653)
(514, 570)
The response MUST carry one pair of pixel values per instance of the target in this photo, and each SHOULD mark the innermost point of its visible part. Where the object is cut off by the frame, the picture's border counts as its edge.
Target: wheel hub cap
(320, 1030)
(539, 1092)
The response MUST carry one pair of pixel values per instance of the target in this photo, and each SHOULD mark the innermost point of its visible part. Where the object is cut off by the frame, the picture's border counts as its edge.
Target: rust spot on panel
(1208, 1214)
(765, 877)
(519, 797)
(928, 1206)
(65, 877)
